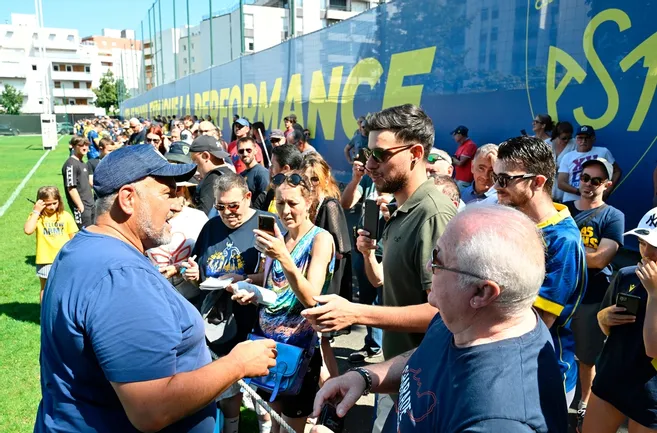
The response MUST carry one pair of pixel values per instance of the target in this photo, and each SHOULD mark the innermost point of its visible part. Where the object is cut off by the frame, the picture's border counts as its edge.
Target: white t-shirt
(185, 228)
(557, 194)
(572, 164)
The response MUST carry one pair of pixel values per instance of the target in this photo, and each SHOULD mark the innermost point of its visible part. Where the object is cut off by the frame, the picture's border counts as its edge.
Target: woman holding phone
(625, 385)
(298, 267)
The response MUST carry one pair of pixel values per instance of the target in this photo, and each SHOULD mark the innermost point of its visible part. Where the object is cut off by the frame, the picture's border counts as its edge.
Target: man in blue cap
(121, 350)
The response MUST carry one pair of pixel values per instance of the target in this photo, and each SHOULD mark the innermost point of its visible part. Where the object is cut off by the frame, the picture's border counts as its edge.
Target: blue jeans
(368, 295)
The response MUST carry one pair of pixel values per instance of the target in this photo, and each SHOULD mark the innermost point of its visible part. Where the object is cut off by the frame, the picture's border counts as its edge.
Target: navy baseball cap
(463, 130)
(179, 152)
(585, 130)
(132, 163)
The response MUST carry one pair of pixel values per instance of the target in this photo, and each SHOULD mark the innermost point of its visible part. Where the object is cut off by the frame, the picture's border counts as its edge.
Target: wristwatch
(367, 377)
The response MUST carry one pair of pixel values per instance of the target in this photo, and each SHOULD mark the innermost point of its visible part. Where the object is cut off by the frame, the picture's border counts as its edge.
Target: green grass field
(19, 286)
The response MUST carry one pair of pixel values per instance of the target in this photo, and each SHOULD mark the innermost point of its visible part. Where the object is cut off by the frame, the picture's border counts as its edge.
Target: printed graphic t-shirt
(52, 232)
(572, 164)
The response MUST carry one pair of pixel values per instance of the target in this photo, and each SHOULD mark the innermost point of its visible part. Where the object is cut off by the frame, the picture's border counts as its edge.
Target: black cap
(206, 143)
(463, 130)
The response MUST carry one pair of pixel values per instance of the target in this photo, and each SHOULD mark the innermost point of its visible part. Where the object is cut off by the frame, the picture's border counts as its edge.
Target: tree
(110, 93)
(11, 100)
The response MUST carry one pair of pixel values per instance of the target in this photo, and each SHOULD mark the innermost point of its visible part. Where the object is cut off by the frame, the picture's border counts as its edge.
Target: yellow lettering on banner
(647, 51)
(198, 102)
(223, 107)
(553, 90)
(187, 104)
(167, 106)
(205, 109)
(368, 71)
(250, 101)
(326, 106)
(174, 105)
(214, 104)
(403, 65)
(268, 111)
(623, 21)
(293, 100)
(236, 99)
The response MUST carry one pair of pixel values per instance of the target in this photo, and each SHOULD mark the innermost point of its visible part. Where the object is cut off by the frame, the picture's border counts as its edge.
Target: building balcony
(333, 13)
(12, 70)
(57, 45)
(71, 76)
(73, 93)
(79, 109)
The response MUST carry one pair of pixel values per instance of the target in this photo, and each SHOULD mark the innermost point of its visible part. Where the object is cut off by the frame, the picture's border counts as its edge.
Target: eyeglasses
(594, 181)
(434, 157)
(243, 151)
(383, 155)
(230, 206)
(293, 179)
(503, 180)
(153, 140)
(435, 266)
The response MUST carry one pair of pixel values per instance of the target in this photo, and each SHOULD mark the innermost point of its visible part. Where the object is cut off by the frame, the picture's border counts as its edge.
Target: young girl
(54, 227)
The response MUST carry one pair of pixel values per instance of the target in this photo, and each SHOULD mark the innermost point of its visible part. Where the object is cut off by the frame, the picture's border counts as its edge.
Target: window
(35, 36)
(69, 68)
(185, 60)
(58, 84)
(76, 84)
(249, 43)
(193, 59)
(493, 34)
(55, 68)
(495, 14)
(192, 45)
(70, 38)
(484, 14)
(248, 21)
(87, 68)
(51, 37)
(88, 85)
(8, 35)
(34, 68)
(184, 47)
(71, 102)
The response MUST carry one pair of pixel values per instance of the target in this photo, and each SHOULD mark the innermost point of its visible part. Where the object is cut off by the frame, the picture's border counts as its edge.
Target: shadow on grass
(24, 312)
(30, 260)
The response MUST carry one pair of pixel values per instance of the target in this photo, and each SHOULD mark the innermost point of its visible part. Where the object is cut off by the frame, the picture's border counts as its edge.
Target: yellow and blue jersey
(564, 286)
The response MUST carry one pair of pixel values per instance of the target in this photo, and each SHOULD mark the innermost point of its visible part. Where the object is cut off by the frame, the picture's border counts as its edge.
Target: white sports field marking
(20, 186)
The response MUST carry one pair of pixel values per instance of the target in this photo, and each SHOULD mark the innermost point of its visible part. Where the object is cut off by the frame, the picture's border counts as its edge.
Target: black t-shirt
(92, 164)
(76, 174)
(137, 137)
(222, 250)
(512, 385)
(204, 194)
(258, 180)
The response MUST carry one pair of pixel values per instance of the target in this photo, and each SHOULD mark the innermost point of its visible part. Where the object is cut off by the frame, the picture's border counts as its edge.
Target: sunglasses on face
(153, 140)
(503, 180)
(293, 179)
(434, 157)
(565, 138)
(594, 181)
(230, 206)
(243, 151)
(383, 155)
(435, 266)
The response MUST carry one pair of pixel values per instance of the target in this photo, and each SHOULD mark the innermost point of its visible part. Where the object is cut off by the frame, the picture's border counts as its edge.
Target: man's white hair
(503, 245)
(442, 153)
(133, 120)
(485, 150)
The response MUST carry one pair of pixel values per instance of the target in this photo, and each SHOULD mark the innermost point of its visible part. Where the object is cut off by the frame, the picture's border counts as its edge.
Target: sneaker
(580, 419)
(362, 354)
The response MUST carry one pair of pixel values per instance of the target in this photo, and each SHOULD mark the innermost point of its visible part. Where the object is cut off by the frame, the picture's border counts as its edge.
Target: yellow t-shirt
(52, 232)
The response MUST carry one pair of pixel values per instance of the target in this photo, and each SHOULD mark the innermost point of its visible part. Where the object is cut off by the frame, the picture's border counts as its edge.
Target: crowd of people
(485, 282)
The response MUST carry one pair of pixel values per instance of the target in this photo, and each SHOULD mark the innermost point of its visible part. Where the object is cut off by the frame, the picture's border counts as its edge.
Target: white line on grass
(20, 186)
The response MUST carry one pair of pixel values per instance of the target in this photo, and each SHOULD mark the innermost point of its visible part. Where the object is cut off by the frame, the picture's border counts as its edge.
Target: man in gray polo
(400, 139)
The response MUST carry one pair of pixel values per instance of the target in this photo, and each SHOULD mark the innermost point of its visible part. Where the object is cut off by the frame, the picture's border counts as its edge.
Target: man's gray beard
(153, 237)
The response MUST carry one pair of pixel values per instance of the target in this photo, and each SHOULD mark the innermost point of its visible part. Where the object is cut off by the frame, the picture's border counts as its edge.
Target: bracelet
(36, 212)
(367, 377)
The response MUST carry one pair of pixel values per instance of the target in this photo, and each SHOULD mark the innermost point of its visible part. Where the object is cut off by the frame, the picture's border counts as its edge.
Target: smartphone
(361, 157)
(523, 132)
(266, 223)
(392, 207)
(329, 418)
(371, 218)
(630, 302)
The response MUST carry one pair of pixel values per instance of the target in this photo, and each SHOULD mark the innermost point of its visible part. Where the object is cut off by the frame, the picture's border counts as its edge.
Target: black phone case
(371, 219)
(329, 418)
(266, 223)
(631, 303)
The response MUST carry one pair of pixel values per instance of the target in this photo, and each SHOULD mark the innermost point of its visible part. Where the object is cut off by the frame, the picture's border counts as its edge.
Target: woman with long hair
(541, 125)
(155, 138)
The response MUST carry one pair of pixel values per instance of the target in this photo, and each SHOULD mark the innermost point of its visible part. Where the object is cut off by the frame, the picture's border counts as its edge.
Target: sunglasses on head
(383, 155)
(243, 151)
(503, 179)
(231, 207)
(594, 181)
(434, 157)
(293, 179)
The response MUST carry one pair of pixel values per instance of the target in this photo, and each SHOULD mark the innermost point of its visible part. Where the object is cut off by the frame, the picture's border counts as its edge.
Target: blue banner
(491, 66)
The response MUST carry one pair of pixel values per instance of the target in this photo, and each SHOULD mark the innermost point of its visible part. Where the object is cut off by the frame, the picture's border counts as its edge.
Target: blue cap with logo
(179, 152)
(463, 130)
(585, 130)
(132, 163)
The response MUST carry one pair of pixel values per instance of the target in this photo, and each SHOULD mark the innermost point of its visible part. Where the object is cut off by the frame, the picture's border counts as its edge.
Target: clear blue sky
(90, 16)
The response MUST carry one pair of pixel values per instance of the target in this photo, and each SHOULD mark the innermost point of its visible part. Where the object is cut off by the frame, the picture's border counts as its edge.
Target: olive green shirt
(408, 240)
